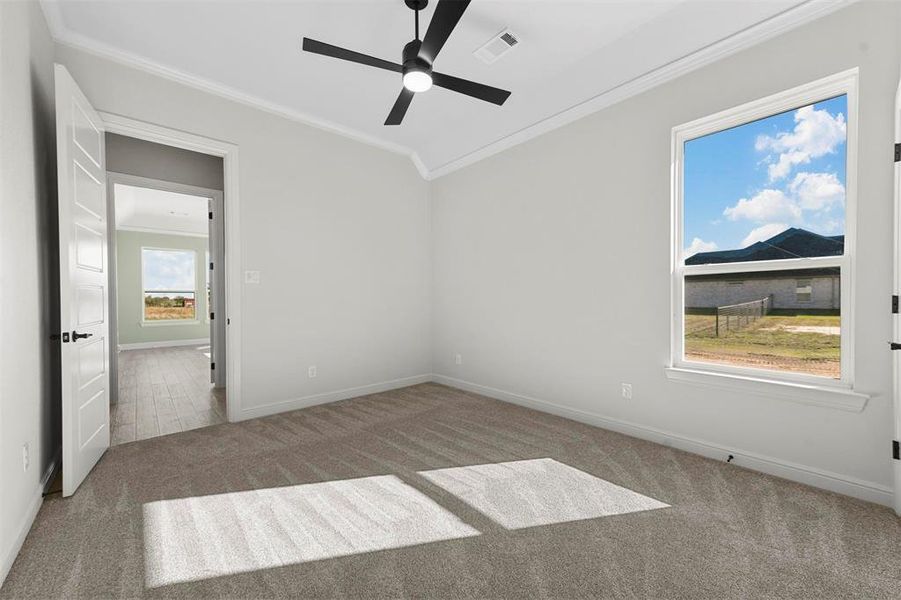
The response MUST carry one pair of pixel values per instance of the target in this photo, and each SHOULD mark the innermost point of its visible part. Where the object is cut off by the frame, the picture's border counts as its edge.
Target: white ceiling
(571, 52)
(157, 211)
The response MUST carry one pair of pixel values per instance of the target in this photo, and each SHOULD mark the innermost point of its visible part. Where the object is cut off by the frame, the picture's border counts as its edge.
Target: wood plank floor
(164, 390)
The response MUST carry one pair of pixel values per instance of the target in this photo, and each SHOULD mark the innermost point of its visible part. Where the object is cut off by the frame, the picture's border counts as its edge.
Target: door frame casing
(214, 245)
(134, 128)
(896, 318)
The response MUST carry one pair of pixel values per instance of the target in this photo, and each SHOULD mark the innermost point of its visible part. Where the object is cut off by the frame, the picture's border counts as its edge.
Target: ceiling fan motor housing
(411, 60)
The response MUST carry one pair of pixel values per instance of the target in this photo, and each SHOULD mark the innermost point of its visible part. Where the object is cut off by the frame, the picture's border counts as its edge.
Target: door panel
(83, 281)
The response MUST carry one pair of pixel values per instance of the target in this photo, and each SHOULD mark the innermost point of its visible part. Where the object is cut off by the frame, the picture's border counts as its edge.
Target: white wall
(29, 406)
(551, 265)
(338, 230)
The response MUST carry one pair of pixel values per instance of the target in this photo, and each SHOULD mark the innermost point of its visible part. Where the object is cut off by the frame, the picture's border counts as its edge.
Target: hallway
(162, 391)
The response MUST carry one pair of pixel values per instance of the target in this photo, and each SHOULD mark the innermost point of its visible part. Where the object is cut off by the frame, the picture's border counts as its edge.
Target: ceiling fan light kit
(417, 59)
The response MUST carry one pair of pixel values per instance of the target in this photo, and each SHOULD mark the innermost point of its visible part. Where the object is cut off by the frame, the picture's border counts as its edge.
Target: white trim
(827, 480)
(844, 83)
(756, 34)
(10, 554)
(233, 255)
(804, 393)
(161, 231)
(896, 319)
(66, 37)
(326, 397)
(13, 551)
(170, 322)
(164, 344)
(760, 32)
(784, 264)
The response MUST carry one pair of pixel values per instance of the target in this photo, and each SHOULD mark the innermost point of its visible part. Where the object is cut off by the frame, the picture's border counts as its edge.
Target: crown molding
(64, 36)
(746, 38)
(751, 36)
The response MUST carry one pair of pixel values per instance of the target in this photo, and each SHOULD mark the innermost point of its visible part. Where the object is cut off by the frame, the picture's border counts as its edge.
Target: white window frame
(844, 83)
(165, 322)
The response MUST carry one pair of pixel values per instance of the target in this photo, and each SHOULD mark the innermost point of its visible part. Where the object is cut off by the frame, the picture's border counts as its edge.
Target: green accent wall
(130, 295)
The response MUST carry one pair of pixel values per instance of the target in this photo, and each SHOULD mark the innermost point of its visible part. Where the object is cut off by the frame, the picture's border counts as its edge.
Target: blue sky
(751, 182)
(168, 270)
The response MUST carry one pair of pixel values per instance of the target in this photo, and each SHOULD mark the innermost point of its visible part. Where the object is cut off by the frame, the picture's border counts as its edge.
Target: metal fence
(735, 316)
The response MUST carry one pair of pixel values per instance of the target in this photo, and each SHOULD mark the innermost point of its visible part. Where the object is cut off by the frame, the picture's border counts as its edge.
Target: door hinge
(897, 152)
(212, 366)
(211, 215)
(212, 316)
(211, 266)
(896, 450)
(894, 305)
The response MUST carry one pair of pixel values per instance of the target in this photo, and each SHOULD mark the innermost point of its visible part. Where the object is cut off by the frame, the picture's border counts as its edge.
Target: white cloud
(699, 245)
(767, 205)
(817, 191)
(763, 232)
(168, 270)
(816, 133)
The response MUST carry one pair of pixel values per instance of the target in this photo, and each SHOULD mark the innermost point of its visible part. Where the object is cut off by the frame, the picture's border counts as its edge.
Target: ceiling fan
(417, 58)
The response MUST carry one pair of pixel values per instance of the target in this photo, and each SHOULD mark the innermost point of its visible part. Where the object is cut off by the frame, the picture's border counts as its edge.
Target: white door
(82, 281)
(897, 317)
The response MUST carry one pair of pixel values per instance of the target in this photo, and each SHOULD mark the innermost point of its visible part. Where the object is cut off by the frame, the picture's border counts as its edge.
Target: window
(169, 285)
(804, 290)
(763, 206)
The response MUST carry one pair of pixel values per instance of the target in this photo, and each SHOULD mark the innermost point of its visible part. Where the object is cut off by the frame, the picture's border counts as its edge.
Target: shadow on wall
(44, 132)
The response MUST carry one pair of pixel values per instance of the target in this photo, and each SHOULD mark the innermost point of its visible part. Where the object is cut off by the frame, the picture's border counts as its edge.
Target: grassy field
(167, 313)
(799, 343)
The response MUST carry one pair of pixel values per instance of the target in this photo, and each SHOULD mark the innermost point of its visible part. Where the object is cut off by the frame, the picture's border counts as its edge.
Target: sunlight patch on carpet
(189, 539)
(528, 493)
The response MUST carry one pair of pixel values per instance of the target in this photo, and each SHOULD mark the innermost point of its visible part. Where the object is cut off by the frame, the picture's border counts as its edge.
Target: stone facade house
(801, 289)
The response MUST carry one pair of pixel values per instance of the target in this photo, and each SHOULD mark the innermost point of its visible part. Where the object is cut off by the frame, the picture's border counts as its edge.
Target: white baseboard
(164, 344)
(834, 482)
(326, 397)
(10, 554)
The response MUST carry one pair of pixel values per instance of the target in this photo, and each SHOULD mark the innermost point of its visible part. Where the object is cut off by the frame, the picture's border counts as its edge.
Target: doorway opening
(167, 249)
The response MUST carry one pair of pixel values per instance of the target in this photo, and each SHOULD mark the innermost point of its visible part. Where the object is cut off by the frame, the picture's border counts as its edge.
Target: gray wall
(342, 246)
(30, 411)
(551, 260)
(157, 161)
(712, 293)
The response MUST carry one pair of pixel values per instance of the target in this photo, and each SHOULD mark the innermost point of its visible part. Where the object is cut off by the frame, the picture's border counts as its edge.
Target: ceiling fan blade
(400, 107)
(471, 88)
(446, 16)
(317, 47)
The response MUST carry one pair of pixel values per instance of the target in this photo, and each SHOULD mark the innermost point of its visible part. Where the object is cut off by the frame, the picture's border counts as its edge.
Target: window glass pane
(777, 320)
(767, 190)
(169, 284)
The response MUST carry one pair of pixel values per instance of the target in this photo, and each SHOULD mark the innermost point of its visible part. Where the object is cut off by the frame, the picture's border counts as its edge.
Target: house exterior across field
(812, 289)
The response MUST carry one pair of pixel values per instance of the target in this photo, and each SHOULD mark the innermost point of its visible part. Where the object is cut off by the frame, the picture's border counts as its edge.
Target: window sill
(830, 396)
(169, 323)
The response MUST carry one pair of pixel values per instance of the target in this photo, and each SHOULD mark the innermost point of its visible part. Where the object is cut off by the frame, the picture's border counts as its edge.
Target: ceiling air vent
(497, 46)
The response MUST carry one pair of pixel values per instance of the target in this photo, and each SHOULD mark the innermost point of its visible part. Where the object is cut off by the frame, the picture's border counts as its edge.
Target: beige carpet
(430, 492)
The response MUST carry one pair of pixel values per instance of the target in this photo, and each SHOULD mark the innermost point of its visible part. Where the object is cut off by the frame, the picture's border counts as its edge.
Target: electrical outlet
(26, 459)
(458, 359)
(311, 372)
(627, 391)
(252, 277)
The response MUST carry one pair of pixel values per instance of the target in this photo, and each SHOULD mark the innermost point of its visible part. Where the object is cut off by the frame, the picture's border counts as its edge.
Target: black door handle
(894, 346)
(79, 336)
